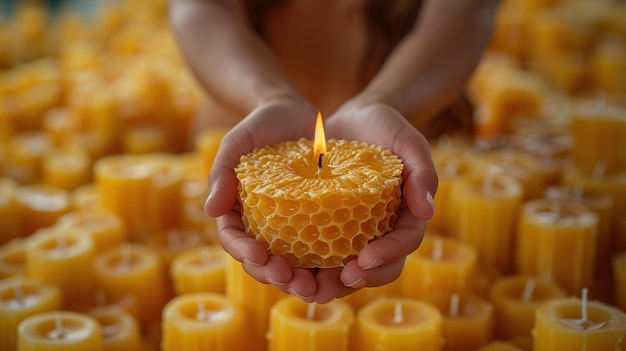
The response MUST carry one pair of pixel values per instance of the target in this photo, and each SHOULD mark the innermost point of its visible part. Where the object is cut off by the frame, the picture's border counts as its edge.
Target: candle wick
(398, 315)
(598, 170)
(584, 319)
(455, 299)
(437, 253)
(529, 290)
(320, 162)
(202, 314)
(19, 294)
(489, 180)
(59, 332)
(310, 311)
(556, 210)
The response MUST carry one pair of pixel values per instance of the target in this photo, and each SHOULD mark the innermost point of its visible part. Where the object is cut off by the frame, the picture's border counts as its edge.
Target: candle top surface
(567, 313)
(59, 326)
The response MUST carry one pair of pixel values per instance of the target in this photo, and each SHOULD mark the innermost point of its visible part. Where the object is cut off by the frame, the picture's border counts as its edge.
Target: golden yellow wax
(26, 151)
(515, 299)
(207, 144)
(64, 258)
(144, 139)
(468, 320)
(439, 265)
(548, 229)
(296, 325)
(499, 346)
(40, 206)
(21, 297)
(120, 330)
(559, 325)
(105, 228)
(619, 279)
(136, 270)
(104, 302)
(393, 324)
(484, 210)
(165, 196)
(170, 243)
(60, 330)
(13, 258)
(255, 298)
(86, 198)
(203, 321)
(200, 269)
(8, 210)
(59, 123)
(66, 168)
(608, 65)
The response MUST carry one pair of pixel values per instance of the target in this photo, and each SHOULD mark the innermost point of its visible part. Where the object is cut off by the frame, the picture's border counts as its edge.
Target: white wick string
(529, 290)
(455, 300)
(437, 253)
(310, 311)
(398, 315)
(583, 307)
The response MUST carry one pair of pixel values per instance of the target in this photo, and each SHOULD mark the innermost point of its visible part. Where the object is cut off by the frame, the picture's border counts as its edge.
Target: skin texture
(269, 89)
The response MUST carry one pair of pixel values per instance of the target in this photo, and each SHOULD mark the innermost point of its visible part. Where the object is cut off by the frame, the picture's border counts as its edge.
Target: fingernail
(357, 284)
(303, 298)
(206, 202)
(251, 263)
(430, 199)
(273, 282)
(376, 263)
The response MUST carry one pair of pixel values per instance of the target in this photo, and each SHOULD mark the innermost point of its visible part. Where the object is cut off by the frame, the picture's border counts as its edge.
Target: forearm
(431, 66)
(230, 61)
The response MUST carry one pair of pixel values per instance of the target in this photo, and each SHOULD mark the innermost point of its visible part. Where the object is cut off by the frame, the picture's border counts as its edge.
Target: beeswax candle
(199, 269)
(120, 330)
(40, 206)
(619, 277)
(60, 330)
(66, 167)
(104, 228)
(8, 210)
(13, 258)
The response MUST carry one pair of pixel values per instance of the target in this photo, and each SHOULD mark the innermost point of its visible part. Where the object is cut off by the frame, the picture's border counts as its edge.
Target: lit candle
(63, 258)
(203, 321)
(66, 167)
(390, 324)
(296, 325)
(120, 330)
(467, 320)
(8, 210)
(619, 279)
(13, 258)
(317, 206)
(485, 209)
(200, 269)
(60, 330)
(104, 228)
(40, 206)
(439, 265)
(516, 298)
(21, 297)
(578, 324)
(136, 270)
(546, 229)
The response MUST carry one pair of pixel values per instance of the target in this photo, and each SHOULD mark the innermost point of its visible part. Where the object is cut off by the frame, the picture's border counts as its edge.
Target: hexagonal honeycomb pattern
(319, 218)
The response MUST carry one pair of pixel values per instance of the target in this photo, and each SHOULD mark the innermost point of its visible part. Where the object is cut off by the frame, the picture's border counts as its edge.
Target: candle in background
(467, 320)
(546, 230)
(577, 324)
(60, 330)
(515, 299)
(498, 345)
(171, 242)
(136, 270)
(255, 298)
(26, 150)
(63, 258)
(8, 210)
(165, 195)
(203, 321)
(104, 302)
(13, 258)
(40, 206)
(105, 228)
(485, 210)
(392, 324)
(440, 264)
(86, 198)
(144, 139)
(21, 297)
(200, 269)
(120, 330)
(619, 277)
(207, 143)
(296, 325)
(66, 167)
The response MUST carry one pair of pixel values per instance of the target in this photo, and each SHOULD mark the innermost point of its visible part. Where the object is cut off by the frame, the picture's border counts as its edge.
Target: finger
(354, 276)
(240, 245)
(330, 286)
(275, 271)
(302, 284)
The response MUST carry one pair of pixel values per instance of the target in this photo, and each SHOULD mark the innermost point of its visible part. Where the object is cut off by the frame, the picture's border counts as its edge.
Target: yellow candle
(63, 258)
(136, 270)
(165, 195)
(499, 346)
(198, 270)
(390, 324)
(104, 302)
(13, 258)
(207, 143)
(438, 265)
(255, 298)
(144, 139)
(66, 168)
(485, 209)
(619, 280)
(40, 206)
(170, 243)
(21, 297)
(578, 324)
(467, 320)
(296, 325)
(203, 321)
(546, 230)
(607, 65)
(26, 151)
(60, 330)
(86, 198)
(515, 299)
(59, 123)
(104, 228)
(8, 210)
(120, 330)
(319, 208)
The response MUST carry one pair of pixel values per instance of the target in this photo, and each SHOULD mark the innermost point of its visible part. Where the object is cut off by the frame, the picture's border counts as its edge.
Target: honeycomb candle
(319, 208)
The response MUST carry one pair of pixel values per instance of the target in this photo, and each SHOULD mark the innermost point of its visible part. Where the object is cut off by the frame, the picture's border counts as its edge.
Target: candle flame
(319, 143)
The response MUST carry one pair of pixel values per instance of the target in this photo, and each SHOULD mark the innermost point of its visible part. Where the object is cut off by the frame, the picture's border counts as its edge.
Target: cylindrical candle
(120, 330)
(136, 270)
(13, 258)
(297, 325)
(439, 265)
(66, 168)
(171, 242)
(203, 321)
(63, 258)
(619, 279)
(467, 320)
(200, 269)
(515, 299)
(39, 206)
(105, 228)
(548, 228)
(207, 143)
(8, 210)
(392, 324)
(165, 195)
(60, 330)
(21, 297)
